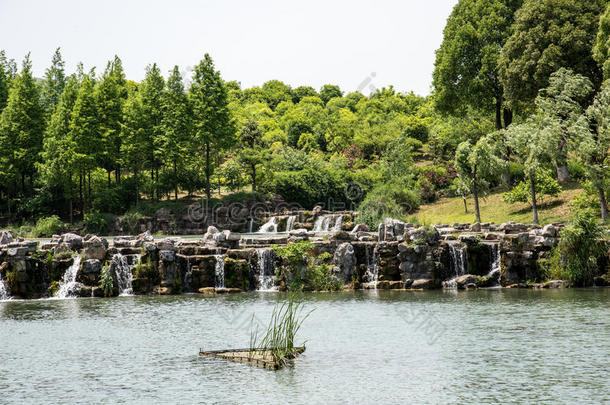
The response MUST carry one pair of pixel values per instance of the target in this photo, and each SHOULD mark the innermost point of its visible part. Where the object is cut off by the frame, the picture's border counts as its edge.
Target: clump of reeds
(286, 320)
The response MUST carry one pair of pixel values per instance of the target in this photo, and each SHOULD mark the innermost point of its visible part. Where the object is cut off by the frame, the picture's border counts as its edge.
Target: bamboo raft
(256, 357)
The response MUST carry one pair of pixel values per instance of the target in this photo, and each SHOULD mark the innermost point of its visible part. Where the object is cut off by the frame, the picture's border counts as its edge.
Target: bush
(130, 222)
(48, 226)
(546, 186)
(106, 281)
(301, 270)
(580, 251)
(387, 200)
(98, 223)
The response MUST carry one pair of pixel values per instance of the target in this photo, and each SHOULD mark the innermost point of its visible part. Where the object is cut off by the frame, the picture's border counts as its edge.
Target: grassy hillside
(494, 209)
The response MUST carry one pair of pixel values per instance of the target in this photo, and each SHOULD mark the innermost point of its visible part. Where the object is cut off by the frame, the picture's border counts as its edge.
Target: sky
(359, 45)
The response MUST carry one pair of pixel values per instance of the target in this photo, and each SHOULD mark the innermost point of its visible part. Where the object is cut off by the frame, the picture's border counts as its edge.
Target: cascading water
(495, 270)
(270, 226)
(250, 225)
(290, 222)
(219, 271)
(266, 270)
(69, 284)
(323, 223)
(123, 273)
(4, 295)
(459, 258)
(372, 268)
(188, 275)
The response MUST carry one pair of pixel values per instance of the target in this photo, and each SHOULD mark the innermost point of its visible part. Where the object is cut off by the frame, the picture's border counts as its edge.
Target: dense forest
(519, 104)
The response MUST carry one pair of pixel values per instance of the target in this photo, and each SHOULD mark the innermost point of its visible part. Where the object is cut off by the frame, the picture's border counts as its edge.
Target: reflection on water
(494, 346)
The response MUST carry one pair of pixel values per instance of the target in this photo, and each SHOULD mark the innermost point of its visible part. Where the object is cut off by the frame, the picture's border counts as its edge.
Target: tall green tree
(601, 50)
(53, 83)
(176, 126)
(151, 93)
(476, 165)
(562, 104)
(593, 145)
(22, 125)
(253, 152)
(330, 91)
(5, 79)
(59, 152)
(136, 146)
(548, 35)
(110, 94)
(213, 126)
(466, 70)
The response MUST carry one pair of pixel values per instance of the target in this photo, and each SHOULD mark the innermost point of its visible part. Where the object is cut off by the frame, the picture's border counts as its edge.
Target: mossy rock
(237, 273)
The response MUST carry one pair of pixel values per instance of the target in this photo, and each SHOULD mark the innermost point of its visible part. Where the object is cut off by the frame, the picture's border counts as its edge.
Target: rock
(97, 292)
(554, 284)
(316, 210)
(463, 281)
(207, 290)
(164, 215)
(600, 282)
(549, 231)
(95, 248)
(360, 228)
(6, 237)
(210, 234)
(227, 290)
(301, 232)
(62, 250)
(145, 237)
(168, 244)
(390, 285)
(90, 272)
(476, 227)
(73, 240)
(424, 283)
(344, 260)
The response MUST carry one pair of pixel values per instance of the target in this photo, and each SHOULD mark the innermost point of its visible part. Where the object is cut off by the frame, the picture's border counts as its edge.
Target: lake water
(486, 346)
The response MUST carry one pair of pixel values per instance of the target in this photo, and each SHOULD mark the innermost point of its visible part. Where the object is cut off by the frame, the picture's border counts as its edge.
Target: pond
(383, 347)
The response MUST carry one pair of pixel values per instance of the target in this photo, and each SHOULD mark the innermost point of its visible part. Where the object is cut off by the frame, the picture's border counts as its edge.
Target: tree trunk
(207, 171)
(22, 183)
(71, 211)
(603, 203)
(477, 212)
(80, 192)
(253, 178)
(135, 174)
(498, 114)
(533, 196)
(176, 180)
(89, 186)
(465, 205)
(157, 183)
(109, 180)
(508, 117)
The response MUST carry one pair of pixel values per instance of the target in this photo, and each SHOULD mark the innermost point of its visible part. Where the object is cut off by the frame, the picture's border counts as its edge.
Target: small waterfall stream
(495, 269)
(219, 271)
(290, 222)
(123, 273)
(270, 226)
(459, 258)
(266, 270)
(328, 223)
(372, 268)
(69, 283)
(4, 294)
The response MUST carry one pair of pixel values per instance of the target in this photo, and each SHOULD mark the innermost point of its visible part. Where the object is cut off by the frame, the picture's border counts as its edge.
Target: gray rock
(95, 248)
(73, 240)
(360, 228)
(345, 262)
(6, 237)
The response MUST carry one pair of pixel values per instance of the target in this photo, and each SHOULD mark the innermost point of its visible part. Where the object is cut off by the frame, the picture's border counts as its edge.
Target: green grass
(494, 209)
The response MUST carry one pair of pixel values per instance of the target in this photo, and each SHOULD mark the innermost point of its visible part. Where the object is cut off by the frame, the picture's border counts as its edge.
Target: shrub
(130, 222)
(580, 250)
(546, 186)
(98, 223)
(106, 281)
(387, 200)
(48, 226)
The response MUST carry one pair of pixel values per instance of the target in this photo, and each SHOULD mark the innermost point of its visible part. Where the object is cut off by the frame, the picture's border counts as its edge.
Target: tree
(548, 35)
(151, 94)
(136, 145)
(253, 152)
(176, 125)
(475, 165)
(53, 83)
(329, 91)
(561, 104)
(275, 92)
(110, 94)
(601, 50)
(59, 153)
(531, 150)
(301, 92)
(593, 145)
(22, 125)
(6, 75)
(213, 126)
(466, 71)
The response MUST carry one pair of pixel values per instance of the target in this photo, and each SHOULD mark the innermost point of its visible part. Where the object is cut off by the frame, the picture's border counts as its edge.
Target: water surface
(486, 346)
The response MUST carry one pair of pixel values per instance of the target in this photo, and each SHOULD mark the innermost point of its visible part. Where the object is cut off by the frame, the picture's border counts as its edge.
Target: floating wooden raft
(258, 357)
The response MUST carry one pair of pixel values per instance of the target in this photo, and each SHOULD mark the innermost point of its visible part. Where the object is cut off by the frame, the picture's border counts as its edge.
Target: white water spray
(69, 284)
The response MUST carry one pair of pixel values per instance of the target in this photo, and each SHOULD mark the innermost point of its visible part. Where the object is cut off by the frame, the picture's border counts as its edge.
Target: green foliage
(106, 281)
(146, 270)
(546, 186)
(301, 270)
(601, 50)
(98, 223)
(387, 200)
(48, 226)
(130, 222)
(580, 250)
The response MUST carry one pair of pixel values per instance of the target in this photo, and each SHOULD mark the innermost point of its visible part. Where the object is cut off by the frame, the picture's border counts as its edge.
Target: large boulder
(344, 260)
(6, 237)
(96, 248)
(90, 272)
(73, 240)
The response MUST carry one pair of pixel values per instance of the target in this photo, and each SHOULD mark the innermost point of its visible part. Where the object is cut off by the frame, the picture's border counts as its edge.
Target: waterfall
(69, 284)
(290, 222)
(250, 225)
(372, 268)
(323, 223)
(495, 270)
(266, 270)
(459, 258)
(270, 226)
(123, 273)
(186, 282)
(4, 295)
(219, 271)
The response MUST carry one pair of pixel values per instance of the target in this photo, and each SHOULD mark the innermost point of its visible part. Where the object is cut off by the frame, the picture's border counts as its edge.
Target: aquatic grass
(286, 320)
